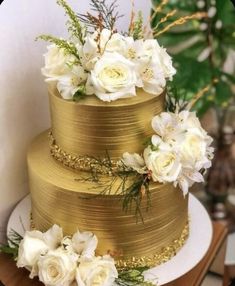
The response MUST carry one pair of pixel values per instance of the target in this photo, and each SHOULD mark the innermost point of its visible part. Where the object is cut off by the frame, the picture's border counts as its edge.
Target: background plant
(199, 47)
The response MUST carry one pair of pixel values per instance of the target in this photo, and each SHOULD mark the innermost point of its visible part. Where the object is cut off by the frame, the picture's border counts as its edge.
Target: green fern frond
(75, 26)
(62, 44)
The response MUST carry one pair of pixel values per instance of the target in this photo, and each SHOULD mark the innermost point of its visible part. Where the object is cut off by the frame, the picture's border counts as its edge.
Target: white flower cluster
(110, 68)
(179, 151)
(64, 261)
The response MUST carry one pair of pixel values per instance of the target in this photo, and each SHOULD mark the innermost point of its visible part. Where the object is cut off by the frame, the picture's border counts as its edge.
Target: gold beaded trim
(150, 261)
(83, 163)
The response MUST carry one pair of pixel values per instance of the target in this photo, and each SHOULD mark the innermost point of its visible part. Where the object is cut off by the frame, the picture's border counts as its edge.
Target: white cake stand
(188, 257)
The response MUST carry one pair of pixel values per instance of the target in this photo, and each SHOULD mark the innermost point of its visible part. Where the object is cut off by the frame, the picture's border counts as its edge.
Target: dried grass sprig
(132, 18)
(158, 9)
(164, 19)
(181, 21)
(200, 94)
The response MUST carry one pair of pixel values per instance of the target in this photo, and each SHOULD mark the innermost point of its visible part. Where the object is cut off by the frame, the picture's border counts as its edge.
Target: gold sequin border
(163, 256)
(82, 163)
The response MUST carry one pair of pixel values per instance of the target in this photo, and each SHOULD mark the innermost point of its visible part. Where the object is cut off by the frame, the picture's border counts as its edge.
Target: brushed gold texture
(91, 126)
(58, 197)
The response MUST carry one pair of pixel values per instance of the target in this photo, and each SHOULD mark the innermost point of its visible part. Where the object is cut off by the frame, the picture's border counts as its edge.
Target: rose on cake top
(106, 63)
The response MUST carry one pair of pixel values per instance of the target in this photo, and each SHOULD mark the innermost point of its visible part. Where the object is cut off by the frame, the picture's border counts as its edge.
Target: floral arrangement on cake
(178, 152)
(99, 60)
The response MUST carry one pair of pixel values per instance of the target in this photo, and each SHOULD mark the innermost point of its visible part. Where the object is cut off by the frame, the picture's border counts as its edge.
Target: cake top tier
(93, 127)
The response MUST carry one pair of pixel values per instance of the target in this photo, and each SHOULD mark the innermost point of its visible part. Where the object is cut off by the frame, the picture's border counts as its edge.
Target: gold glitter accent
(32, 225)
(150, 261)
(83, 163)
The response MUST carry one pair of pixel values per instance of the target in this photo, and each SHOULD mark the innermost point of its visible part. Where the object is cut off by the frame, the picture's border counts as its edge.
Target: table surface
(10, 275)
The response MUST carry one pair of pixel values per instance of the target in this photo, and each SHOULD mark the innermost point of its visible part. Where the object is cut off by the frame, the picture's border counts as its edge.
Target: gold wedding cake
(62, 192)
(121, 153)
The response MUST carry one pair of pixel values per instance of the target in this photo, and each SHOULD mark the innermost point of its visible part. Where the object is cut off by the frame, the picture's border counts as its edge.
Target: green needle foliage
(200, 48)
(74, 25)
(60, 43)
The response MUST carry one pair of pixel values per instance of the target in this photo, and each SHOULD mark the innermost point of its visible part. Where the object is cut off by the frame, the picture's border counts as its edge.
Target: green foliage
(80, 93)
(74, 25)
(12, 246)
(123, 181)
(186, 43)
(133, 277)
(62, 44)
(138, 29)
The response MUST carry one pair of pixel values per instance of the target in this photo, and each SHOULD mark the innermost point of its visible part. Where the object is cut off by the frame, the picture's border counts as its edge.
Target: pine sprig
(131, 186)
(106, 15)
(74, 25)
(175, 100)
(62, 44)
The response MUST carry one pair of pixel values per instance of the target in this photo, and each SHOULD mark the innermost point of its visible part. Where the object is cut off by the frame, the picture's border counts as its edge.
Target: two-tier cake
(117, 163)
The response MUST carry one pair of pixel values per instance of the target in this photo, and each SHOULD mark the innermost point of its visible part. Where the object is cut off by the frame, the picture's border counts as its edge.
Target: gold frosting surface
(91, 126)
(58, 197)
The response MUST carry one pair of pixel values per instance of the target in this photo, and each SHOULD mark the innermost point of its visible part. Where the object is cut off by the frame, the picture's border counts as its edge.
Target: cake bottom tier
(60, 196)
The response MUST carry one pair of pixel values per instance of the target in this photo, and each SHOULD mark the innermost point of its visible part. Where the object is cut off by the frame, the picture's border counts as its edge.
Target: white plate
(188, 257)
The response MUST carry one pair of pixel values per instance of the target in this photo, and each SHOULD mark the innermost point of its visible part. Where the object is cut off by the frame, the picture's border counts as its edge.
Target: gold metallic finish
(82, 163)
(90, 127)
(58, 197)
(163, 256)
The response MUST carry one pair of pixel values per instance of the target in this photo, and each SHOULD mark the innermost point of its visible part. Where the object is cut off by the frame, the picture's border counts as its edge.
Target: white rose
(36, 243)
(166, 64)
(195, 149)
(57, 268)
(68, 84)
(164, 165)
(101, 271)
(112, 43)
(113, 77)
(57, 63)
(135, 162)
(84, 244)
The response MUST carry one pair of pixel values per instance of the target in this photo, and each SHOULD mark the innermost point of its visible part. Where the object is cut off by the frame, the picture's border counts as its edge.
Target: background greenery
(200, 48)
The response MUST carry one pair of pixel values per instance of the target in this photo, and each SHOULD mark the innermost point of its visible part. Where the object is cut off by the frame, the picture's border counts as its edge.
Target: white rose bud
(101, 271)
(57, 268)
(113, 77)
